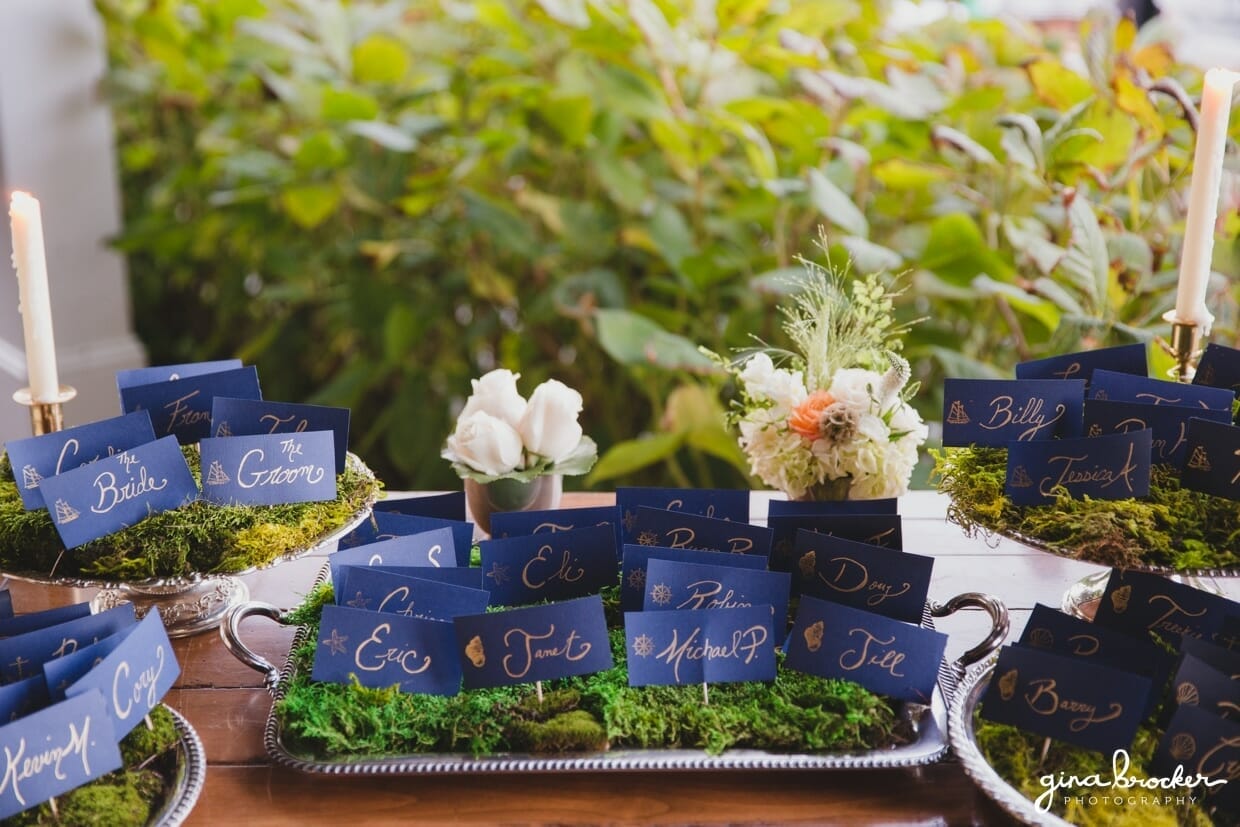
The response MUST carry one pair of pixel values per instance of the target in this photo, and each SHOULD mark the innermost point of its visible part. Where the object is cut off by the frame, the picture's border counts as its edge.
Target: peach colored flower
(806, 418)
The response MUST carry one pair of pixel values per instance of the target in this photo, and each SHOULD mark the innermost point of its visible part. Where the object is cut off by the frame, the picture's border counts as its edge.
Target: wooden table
(227, 705)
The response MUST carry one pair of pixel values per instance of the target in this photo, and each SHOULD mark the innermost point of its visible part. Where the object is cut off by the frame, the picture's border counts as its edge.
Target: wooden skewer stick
(538, 689)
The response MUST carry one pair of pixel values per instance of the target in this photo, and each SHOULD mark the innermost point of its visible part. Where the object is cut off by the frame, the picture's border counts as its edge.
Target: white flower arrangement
(500, 435)
(830, 423)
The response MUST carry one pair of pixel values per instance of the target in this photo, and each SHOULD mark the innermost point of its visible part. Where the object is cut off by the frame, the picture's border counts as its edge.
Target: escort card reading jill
(384, 650)
(691, 647)
(1112, 467)
(269, 469)
(182, 407)
(1122, 359)
(536, 643)
(994, 412)
(884, 581)
(673, 529)
(378, 590)
(1168, 424)
(883, 655)
(718, 503)
(37, 457)
(549, 566)
(430, 548)
(252, 417)
(388, 525)
(679, 586)
(636, 558)
(1212, 459)
(1124, 387)
(115, 493)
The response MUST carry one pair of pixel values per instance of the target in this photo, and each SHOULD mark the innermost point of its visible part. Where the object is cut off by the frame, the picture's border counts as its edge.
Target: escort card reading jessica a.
(1124, 387)
(1086, 704)
(994, 412)
(636, 558)
(37, 457)
(676, 529)
(252, 417)
(880, 580)
(25, 654)
(536, 643)
(114, 493)
(388, 525)
(1112, 467)
(1168, 425)
(378, 590)
(1120, 359)
(383, 650)
(717, 503)
(1212, 459)
(679, 586)
(549, 566)
(268, 469)
(883, 655)
(1139, 602)
(450, 506)
(182, 408)
(692, 647)
(168, 373)
(430, 548)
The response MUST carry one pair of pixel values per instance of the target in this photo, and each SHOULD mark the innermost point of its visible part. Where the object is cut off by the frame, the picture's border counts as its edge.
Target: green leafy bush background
(378, 201)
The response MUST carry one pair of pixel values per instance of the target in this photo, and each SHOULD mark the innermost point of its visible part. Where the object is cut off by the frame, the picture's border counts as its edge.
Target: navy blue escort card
(378, 590)
(1229, 635)
(1219, 367)
(1212, 459)
(679, 586)
(1197, 683)
(994, 412)
(50, 454)
(1219, 657)
(252, 417)
(1169, 424)
(60, 673)
(269, 469)
(880, 580)
(388, 525)
(168, 373)
(549, 566)
(115, 493)
(450, 506)
(17, 700)
(6, 604)
(382, 650)
(886, 656)
(55, 750)
(692, 647)
(717, 503)
(429, 549)
(636, 558)
(1120, 359)
(29, 622)
(1124, 387)
(1092, 706)
(469, 577)
(1111, 467)
(1139, 602)
(134, 676)
(535, 643)
(515, 523)
(830, 508)
(182, 407)
(24, 655)
(1206, 747)
(876, 529)
(676, 529)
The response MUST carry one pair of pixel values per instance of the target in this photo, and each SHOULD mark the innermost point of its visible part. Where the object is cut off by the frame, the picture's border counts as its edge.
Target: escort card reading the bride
(383, 650)
(269, 469)
(692, 647)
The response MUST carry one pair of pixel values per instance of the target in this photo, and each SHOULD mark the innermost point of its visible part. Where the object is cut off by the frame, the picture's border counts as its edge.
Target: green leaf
(622, 178)
(632, 339)
(1086, 266)
(1027, 237)
(580, 460)
(868, 257)
(1022, 140)
(1041, 310)
(947, 136)
(569, 115)
(671, 234)
(957, 252)
(1058, 85)
(400, 334)
(782, 281)
(383, 134)
(963, 366)
(380, 59)
(310, 205)
(1056, 293)
(320, 151)
(835, 206)
(348, 105)
(569, 12)
(634, 455)
(901, 175)
(721, 444)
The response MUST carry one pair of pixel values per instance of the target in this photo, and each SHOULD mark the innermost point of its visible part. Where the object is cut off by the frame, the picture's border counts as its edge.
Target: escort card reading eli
(269, 469)
(549, 566)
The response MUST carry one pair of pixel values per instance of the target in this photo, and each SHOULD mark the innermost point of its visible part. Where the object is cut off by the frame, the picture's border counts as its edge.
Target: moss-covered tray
(593, 723)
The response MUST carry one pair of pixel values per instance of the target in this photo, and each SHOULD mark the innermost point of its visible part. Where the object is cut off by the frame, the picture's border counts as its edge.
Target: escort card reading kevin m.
(269, 469)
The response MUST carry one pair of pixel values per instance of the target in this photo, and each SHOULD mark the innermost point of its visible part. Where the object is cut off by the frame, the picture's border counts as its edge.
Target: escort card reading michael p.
(679, 586)
(134, 676)
(719, 503)
(430, 548)
(379, 590)
(1212, 459)
(37, 457)
(383, 650)
(881, 580)
(1169, 425)
(636, 558)
(24, 655)
(167, 373)
(676, 529)
(536, 643)
(1124, 387)
(1112, 467)
(549, 566)
(251, 417)
(1139, 602)
(690, 647)
(115, 493)
(1121, 359)
(388, 525)
(994, 412)
(883, 655)
(182, 407)
(1086, 704)
(269, 469)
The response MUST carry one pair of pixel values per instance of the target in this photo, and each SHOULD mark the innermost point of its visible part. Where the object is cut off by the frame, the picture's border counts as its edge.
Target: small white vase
(485, 499)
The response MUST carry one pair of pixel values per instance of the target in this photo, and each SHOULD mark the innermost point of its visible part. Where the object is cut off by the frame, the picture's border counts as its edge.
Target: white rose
(785, 389)
(855, 387)
(549, 427)
(496, 394)
(485, 443)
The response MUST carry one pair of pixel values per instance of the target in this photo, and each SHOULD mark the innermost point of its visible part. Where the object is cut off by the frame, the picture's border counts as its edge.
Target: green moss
(201, 537)
(1172, 527)
(795, 712)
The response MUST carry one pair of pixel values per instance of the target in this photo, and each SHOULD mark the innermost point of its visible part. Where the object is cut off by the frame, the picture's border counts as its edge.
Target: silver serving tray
(928, 723)
(191, 774)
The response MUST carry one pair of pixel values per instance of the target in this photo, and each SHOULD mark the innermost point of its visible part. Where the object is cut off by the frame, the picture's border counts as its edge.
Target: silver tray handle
(230, 632)
(1000, 623)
